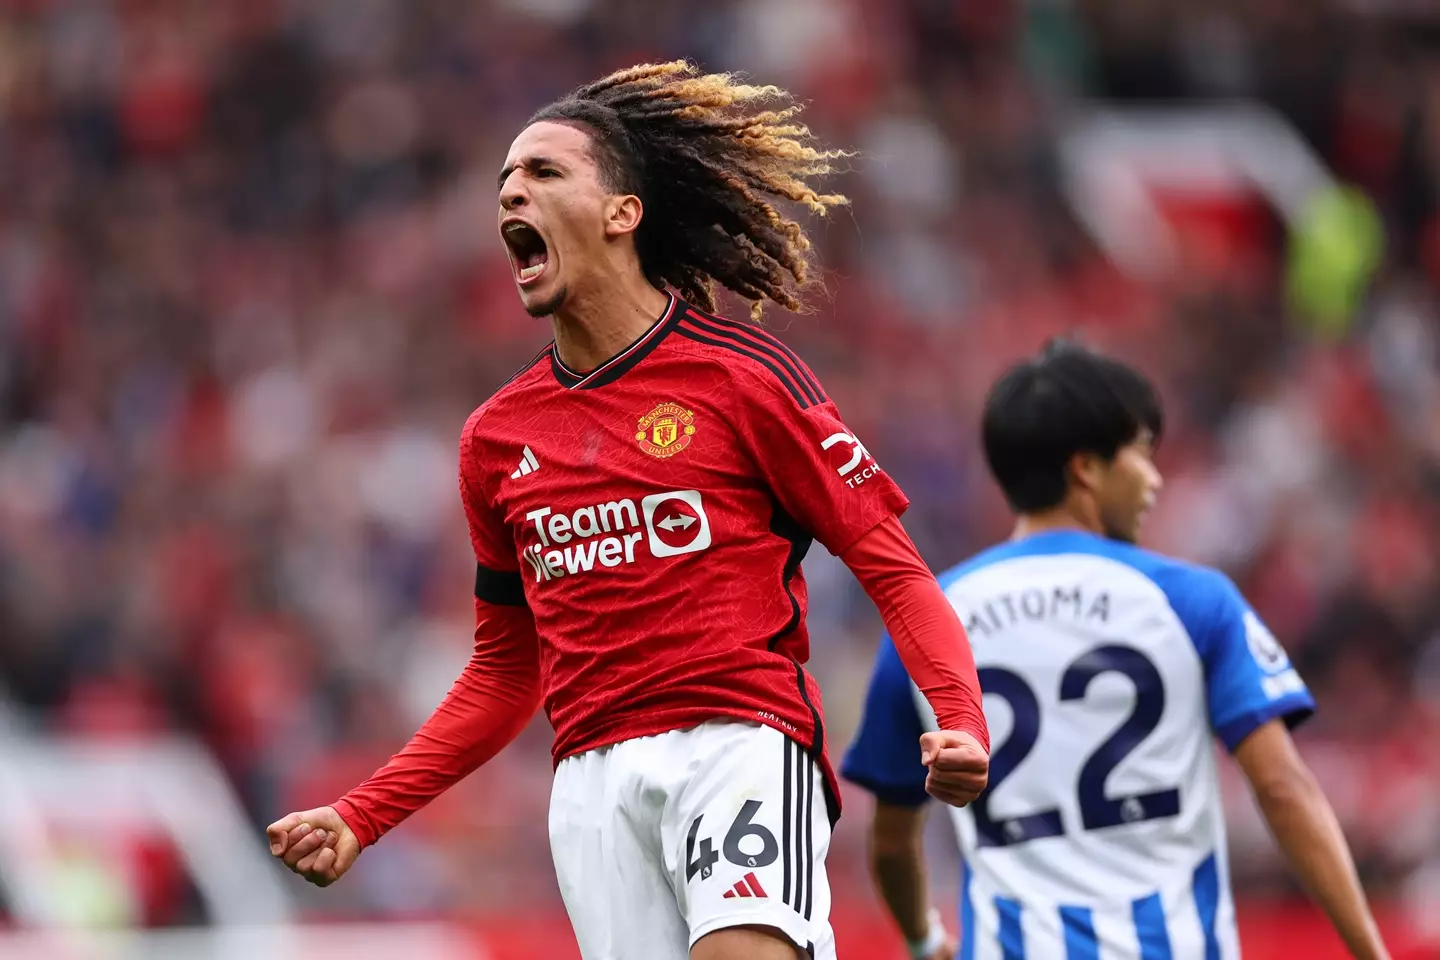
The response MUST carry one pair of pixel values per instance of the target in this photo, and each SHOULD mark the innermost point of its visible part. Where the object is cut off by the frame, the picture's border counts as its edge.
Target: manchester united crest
(666, 430)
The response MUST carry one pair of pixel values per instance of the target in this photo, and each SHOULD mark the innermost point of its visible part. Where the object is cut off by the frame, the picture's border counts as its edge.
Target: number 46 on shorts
(700, 856)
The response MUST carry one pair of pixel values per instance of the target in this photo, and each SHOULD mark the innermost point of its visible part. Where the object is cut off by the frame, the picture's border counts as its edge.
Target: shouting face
(557, 216)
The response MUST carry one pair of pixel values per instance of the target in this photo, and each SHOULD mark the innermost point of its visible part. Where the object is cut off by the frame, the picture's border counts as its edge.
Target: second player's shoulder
(1204, 599)
(1189, 587)
(1183, 581)
(754, 362)
(1193, 591)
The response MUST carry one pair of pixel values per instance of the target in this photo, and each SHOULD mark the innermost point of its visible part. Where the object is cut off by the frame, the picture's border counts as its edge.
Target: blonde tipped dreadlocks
(703, 159)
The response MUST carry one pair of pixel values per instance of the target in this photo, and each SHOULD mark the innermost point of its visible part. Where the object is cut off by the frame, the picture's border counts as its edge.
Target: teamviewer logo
(676, 522)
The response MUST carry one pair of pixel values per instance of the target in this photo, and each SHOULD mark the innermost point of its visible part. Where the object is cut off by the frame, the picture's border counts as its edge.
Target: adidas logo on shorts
(749, 886)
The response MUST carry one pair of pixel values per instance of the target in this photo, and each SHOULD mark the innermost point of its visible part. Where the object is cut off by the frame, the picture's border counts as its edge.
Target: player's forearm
(901, 882)
(897, 862)
(1306, 828)
(936, 653)
(927, 633)
(492, 701)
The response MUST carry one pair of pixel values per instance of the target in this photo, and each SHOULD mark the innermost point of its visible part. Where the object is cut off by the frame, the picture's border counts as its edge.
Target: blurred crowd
(250, 289)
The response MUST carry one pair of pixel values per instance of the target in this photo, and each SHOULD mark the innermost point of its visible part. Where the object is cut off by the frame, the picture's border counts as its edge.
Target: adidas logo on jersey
(749, 886)
(528, 465)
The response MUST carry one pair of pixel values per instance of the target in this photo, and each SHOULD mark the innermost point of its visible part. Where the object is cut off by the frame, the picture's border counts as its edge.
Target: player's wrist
(352, 820)
(933, 940)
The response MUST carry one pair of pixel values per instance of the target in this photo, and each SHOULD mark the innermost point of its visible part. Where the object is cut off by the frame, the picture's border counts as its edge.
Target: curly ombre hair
(704, 153)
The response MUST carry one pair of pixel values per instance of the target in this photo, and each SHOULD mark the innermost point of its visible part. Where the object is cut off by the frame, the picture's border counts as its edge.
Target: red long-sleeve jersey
(649, 518)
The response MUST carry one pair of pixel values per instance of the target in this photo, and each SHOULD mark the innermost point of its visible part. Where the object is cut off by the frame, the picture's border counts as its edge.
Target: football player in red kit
(640, 497)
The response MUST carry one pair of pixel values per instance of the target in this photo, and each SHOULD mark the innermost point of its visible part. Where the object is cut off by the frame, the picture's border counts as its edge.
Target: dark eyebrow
(529, 163)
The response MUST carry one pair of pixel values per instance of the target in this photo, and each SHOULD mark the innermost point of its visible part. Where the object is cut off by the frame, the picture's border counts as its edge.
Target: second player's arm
(1304, 825)
(897, 862)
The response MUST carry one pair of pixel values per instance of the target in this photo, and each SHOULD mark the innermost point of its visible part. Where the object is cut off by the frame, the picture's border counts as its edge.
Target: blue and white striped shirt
(1106, 669)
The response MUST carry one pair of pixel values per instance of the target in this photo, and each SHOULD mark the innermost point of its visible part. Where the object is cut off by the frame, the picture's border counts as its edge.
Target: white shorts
(660, 840)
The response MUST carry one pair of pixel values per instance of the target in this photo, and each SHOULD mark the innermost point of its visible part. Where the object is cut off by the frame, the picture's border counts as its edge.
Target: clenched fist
(959, 766)
(317, 844)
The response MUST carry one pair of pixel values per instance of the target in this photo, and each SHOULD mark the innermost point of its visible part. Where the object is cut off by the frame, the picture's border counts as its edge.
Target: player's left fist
(959, 766)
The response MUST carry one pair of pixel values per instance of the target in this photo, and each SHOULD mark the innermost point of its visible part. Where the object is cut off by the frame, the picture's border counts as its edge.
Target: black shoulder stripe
(499, 587)
(692, 334)
(786, 360)
(756, 334)
(533, 360)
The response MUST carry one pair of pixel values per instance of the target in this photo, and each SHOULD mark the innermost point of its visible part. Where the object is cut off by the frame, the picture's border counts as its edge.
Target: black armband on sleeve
(499, 587)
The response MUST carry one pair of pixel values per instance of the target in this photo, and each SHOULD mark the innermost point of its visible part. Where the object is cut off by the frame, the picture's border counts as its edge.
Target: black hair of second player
(1066, 400)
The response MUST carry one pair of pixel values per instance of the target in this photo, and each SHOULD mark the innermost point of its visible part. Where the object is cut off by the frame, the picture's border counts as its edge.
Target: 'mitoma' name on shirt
(996, 613)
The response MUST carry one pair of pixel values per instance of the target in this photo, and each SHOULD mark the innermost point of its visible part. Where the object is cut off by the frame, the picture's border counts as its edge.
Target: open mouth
(527, 250)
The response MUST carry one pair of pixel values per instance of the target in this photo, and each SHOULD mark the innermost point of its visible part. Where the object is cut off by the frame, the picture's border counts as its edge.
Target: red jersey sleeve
(486, 708)
(819, 471)
(926, 630)
(492, 700)
(497, 574)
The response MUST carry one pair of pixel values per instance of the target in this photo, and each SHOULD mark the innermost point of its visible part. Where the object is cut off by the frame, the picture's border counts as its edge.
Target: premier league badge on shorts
(666, 430)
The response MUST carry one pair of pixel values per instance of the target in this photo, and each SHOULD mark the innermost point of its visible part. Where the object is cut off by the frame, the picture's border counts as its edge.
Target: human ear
(622, 215)
(1087, 471)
